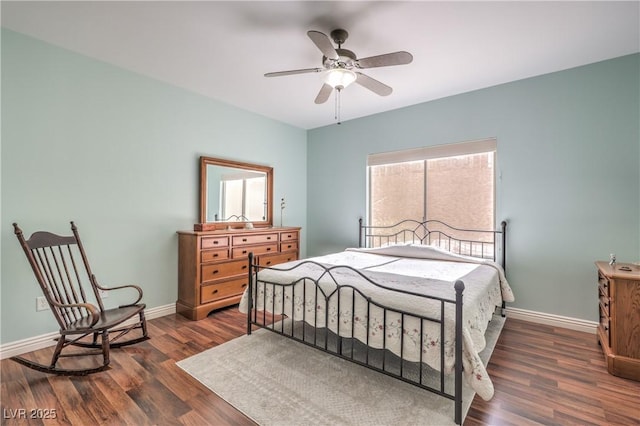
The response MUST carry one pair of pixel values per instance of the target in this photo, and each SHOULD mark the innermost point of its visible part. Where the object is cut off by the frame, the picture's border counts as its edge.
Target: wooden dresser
(213, 265)
(619, 329)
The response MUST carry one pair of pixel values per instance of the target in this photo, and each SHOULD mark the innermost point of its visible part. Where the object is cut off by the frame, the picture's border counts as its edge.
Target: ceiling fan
(341, 66)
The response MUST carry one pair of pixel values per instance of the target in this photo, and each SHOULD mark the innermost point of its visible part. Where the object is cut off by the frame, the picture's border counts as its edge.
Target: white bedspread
(423, 270)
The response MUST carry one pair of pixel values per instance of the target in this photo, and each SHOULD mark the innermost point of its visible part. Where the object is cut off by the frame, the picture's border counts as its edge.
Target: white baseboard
(552, 320)
(34, 343)
(45, 340)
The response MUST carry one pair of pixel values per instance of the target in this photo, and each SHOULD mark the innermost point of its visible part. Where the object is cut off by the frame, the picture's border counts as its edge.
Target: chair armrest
(95, 282)
(93, 311)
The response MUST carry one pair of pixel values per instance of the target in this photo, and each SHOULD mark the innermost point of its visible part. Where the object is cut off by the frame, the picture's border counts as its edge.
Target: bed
(394, 304)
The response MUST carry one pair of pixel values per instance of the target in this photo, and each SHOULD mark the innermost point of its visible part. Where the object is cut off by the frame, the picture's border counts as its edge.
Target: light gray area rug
(277, 381)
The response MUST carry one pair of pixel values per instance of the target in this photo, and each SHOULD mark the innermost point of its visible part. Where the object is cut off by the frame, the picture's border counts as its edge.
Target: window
(453, 183)
(242, 196)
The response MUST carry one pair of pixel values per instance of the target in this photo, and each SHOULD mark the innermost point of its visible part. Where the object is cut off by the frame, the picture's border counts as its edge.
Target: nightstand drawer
(222, 290)
(604, 301)
(603, 284)
(604, 308)
(224, 270)
(604, 325)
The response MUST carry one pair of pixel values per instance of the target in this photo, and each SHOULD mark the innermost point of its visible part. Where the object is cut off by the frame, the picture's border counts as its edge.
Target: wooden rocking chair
(72, 293)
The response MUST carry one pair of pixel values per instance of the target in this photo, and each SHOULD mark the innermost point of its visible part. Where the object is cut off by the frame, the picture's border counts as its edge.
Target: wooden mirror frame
(209, 226)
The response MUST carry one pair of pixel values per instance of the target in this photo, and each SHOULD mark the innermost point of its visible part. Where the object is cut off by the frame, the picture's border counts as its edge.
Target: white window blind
(430, 152)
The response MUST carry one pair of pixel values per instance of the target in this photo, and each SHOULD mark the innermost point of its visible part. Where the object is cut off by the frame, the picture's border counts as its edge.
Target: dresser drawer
(271, 260)
(604, 285)
(289, 236)
(256, 250)
(212, 242)
(209, 293)
(604, 325)
(605, 301)
(604, 308)
(214, 255)
(289, 246)
(224, 270)
(241, 240)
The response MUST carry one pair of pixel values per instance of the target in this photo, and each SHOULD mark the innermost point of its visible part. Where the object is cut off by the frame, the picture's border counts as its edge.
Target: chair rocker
(72, 292)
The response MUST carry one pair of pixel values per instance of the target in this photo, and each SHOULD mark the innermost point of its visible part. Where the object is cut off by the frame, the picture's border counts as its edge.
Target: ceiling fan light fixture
(339, 78)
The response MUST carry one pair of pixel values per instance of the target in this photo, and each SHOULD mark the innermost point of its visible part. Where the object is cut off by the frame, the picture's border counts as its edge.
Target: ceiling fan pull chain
(338, 105)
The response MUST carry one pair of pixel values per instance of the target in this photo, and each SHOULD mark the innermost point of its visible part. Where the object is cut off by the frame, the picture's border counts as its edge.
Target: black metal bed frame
(360, 352)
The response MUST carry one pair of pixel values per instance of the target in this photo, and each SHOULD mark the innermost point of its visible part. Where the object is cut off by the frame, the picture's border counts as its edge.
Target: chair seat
(108, 318)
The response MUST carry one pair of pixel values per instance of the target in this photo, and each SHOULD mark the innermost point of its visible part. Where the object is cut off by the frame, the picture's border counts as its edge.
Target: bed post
(360, 233)
(503, 259)
(503, 225)
(459, 286)
(250, 293)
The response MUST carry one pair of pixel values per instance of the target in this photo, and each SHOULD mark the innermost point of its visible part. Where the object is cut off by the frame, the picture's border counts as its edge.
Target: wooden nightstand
(619, 329)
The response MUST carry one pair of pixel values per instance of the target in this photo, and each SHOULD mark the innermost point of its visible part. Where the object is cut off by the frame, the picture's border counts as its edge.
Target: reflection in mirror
(234, 194)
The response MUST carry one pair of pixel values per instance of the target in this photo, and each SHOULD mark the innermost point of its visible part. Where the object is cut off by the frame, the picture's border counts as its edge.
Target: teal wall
(568, 164)
(117, 153)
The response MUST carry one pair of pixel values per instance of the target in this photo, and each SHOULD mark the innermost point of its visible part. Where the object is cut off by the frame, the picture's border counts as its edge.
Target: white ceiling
(222, 49)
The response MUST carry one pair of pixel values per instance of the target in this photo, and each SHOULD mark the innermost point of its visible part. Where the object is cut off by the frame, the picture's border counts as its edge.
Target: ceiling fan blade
(395, 58)
(373, 84)
(291, 72)
(323, 95)
(324, 44)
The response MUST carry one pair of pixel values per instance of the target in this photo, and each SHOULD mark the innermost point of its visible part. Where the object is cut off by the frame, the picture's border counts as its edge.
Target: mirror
(234, 195)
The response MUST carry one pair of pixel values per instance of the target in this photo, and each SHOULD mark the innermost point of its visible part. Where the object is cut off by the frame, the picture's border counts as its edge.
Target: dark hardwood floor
(542, 375)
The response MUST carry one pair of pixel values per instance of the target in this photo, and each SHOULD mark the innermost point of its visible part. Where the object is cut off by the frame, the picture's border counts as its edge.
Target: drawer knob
(244, 266)
(269, 262)
(215, 255)
(215, 271)
(214, 291)
(244, 240)
(215, 241)
(268, 248)
(244, 252)
(244, 285)
(268, 238)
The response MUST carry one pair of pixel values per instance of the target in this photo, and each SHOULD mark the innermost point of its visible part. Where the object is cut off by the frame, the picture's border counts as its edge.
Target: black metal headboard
(470, 242)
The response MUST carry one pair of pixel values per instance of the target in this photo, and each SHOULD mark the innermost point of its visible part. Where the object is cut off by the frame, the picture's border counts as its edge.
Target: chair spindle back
(63, 272)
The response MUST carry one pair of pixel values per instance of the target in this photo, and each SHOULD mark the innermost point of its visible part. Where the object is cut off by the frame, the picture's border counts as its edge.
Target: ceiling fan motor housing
(347, 60)
(339, 36)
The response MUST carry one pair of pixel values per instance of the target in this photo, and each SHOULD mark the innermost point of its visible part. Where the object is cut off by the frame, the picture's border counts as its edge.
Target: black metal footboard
(335, 316)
